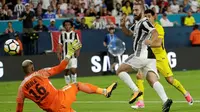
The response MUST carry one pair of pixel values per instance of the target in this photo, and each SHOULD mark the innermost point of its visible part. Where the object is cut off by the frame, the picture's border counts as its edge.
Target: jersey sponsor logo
(1, 69)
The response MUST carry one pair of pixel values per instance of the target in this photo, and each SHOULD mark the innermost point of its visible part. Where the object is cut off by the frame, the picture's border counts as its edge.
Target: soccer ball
(116, 47)
(11, 47)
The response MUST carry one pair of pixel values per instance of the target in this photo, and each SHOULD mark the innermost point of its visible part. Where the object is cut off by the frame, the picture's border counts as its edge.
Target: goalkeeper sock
(127, 79)
(179, 86)
(160, 91)
(67, 79)
(140, 85)
(74, 78)
(89, 88)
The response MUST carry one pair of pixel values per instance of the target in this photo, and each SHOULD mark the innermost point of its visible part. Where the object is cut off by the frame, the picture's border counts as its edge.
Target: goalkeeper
(37, 87)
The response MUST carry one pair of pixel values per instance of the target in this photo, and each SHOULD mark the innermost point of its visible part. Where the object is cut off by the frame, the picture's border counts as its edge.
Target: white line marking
(99, 102)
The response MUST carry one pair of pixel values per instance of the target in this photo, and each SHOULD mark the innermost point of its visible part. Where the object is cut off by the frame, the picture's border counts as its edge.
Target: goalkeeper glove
(72, 48)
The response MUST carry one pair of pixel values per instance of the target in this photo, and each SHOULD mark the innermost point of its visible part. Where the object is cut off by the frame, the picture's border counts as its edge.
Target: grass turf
(119, 100)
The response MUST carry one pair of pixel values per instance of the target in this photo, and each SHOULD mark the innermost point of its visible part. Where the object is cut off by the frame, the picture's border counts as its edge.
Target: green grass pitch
(119, 100)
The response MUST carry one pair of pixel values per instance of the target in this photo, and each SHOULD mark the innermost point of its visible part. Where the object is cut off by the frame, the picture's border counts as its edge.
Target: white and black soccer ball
(11, 47)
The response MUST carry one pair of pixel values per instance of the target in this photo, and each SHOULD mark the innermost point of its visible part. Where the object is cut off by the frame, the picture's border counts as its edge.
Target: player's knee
(169, 80)
(139, 76)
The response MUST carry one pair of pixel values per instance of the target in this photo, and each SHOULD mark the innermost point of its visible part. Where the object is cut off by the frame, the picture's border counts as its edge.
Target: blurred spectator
(52, 26)
(28, 17)
(69, 13)
(63, 6)
(83, 25)
(49, 14)
(10, 15)
(110, 24)
(86, 2)
(174, 7)
(195, 36)
(58, 14)
(91, 12)
(58, 10)
(165, 21)
(127, 8)
(168, 10)
(19, 8)
(98, 23)
(154, 5)
(105, 12)
(39, 13)
(77, 23)
(117, 10)
(189, 19)
(163, 5)
(10, 28)
(181, 9)
(2, 15)
(108, 38)
(53, 5)
(31, 6)
(24, 1)
(97, 5)
(16, 35)
(109, 4)
(186, 6)
(5, 9)
(82, 10)
(35, 3)
(40, 27)
(11, 4)
(194, 5)
(198, 10)
(45, 4)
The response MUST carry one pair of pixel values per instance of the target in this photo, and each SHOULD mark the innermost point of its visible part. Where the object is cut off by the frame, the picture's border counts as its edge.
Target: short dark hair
(67, 21)
(195, 27)
(149, 11)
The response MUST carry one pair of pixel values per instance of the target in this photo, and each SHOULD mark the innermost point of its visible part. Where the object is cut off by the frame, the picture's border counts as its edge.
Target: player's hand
(148, 42)
(72, 48)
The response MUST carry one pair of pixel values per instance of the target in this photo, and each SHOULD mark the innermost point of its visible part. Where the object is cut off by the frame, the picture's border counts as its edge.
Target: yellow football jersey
(159, 51)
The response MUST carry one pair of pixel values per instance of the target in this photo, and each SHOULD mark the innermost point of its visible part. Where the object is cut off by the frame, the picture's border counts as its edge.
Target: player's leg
(73, 70)
(93, 89)
(152, 76)
(67, 76)
(166, 71)
(122, 72)
(140, 85)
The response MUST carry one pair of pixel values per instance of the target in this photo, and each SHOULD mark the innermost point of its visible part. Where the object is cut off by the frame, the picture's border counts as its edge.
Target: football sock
(140, 85)
(67, 79)
(74, 78)
(89, 88)
(179, 86)
(160, 91)
(127, 79)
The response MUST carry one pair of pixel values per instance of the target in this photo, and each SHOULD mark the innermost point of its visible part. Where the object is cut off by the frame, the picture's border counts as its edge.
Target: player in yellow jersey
(162, 65)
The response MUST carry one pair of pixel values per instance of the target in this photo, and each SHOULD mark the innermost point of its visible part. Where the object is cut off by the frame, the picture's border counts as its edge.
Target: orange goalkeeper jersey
(38, 88)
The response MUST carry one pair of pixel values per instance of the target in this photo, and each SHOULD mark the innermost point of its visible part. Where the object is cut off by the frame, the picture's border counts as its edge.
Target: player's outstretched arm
(71, 49)
(155, 41)
(20, 100)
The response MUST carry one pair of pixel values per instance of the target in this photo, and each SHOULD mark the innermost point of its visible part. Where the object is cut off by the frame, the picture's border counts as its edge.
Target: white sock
(160, 91)
(74, 77)
(67, 79)
(127, 79)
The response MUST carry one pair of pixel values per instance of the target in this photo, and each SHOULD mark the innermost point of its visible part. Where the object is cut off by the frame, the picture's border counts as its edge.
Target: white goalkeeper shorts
(143, 64)
(72, 63)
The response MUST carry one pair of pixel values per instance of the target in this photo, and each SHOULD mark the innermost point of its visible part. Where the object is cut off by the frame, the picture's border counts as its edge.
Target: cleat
(139, 104)
(135, 96)
(167, 105)
(189, 99)
(109, 89)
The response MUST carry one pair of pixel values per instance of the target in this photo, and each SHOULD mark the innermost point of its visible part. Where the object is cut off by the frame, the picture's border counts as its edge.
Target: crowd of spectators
(78, 9)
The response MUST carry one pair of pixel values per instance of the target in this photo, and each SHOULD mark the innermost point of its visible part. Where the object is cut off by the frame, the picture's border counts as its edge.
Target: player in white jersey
(142, 59)
(68, 36)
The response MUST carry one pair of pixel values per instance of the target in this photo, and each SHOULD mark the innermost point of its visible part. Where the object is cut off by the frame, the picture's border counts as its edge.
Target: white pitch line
(100, 102)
